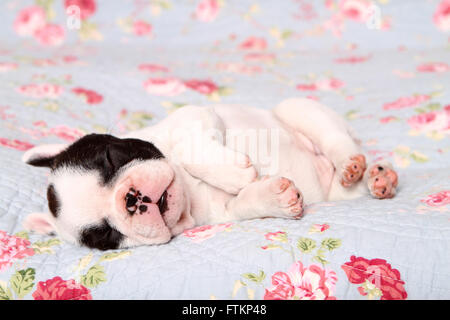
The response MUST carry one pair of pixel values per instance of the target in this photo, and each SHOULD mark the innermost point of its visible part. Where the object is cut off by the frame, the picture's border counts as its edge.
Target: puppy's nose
(135, 202)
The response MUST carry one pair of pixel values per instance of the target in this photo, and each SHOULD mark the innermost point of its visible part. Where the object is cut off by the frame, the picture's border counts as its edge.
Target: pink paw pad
(382, 181)
(353, 170)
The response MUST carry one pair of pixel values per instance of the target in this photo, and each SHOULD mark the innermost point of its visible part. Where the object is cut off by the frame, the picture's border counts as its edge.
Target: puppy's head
(108, 193)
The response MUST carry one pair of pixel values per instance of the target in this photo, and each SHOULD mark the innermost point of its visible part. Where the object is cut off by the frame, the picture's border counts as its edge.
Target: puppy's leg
(198, 145)
(222, 167)
(329, 132)
(267, 197)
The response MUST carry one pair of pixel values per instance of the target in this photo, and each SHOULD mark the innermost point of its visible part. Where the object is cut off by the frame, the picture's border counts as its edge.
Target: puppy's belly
(276, 151)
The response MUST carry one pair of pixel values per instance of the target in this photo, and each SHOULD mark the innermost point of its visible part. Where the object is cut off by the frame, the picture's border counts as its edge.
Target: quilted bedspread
(73, 67)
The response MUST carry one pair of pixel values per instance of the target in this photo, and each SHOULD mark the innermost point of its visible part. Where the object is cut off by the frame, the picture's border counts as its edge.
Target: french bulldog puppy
(202, 165)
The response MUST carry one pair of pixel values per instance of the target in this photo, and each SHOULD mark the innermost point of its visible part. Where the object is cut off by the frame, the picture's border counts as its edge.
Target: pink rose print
(441, 17)
(12, 248)
(66, 133)
(202, 86)
(431, 121)
(330, 84)
(164, 87)
(91, 96)
(87, 7)
(260, 57)
(202, 233)
(437, 67)
(50, 35)
(141, 28)
(319, 228)
(357, 10)
(276, 236)
(16, 144)
(438, 199)
(388, 119)
(302, 283)
(352, 59)
(239, 68)
(254, 43)
(8, 66)
(406, 102)
(59, 289)
(379, 273)
(29, 20)
(150, 67)
(207, 10)
(39, 91)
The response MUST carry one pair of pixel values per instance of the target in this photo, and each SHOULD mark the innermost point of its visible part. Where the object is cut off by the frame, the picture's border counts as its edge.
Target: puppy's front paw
(283, 196)
(237, 176)
(382, 181)
(353, 170)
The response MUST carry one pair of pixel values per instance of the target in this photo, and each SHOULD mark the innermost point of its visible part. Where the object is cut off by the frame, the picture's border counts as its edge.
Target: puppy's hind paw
(382, 182)
(353, 170)
(286, 199)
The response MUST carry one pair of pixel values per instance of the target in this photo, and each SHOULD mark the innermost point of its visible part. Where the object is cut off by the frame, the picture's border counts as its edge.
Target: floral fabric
(71, 67)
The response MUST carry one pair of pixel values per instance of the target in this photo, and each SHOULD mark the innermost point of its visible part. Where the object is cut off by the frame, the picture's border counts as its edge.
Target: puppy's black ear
(43, 156)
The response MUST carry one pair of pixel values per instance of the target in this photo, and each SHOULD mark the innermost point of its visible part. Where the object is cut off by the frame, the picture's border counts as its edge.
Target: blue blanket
(72, 67)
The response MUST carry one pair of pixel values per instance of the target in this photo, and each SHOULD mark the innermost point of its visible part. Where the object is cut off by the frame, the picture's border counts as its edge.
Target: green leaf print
(306, 245)
(331, 243)
(22, 282)
(255, 278)
(114, 255)
(94, 276)
(5, 292)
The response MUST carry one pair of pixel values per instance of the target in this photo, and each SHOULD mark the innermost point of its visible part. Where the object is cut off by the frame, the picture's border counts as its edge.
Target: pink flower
(50, 35)
(12, 248)
(66, 133)
(379, 273)
(307, 87)
(90, 96)
(29, 20)
(149, 67)
(59, 289)
(406, 102)
(431, 121)
(141, 28)
(303, 283)
(207, 10)
(388, 119)
(276, 236)
(329, 84)
(319, 228)
(164, 87)
(352, 59)
(238, 68)
(441, 17)
(434, 67)
(202, 233)
(43, 90)
(254, 43)
(8, 66)
(357, 10)
(16, 144)
(260, 57)
(438, 199)
(202, 86)
(87, 7)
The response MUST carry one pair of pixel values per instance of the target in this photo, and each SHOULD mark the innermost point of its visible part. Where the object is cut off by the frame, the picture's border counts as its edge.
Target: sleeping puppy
(202, 165)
